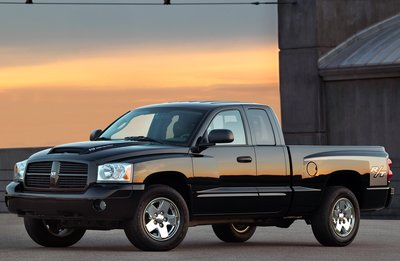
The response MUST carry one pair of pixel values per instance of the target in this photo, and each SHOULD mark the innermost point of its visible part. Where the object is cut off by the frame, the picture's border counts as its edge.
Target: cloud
(43, 116)
(149, 68)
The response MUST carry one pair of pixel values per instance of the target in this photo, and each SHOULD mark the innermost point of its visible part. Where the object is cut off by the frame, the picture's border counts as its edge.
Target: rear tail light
(390, 173)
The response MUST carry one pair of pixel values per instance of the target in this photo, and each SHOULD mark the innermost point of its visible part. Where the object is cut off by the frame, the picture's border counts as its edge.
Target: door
(224, 174)
(273, 177)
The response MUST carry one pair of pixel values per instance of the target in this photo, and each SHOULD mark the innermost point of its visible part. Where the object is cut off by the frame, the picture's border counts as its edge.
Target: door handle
(244, 159)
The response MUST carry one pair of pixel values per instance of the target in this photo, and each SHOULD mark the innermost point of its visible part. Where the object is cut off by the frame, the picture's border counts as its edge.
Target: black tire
(48, 233)
(337, 220)
(166, 215)
(234, 233)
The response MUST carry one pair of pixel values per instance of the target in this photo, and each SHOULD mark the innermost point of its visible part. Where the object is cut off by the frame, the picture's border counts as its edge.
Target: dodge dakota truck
(159, 169)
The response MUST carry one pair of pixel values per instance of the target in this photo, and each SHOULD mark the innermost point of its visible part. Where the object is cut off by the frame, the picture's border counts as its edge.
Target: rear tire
(337, 220)
(161, 219)
(49, 233)
(233, 233)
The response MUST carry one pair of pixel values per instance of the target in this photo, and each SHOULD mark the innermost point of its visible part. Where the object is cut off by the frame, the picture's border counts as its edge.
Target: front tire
(161, 220)
(49, 233)
(337, 220)
(234, 233)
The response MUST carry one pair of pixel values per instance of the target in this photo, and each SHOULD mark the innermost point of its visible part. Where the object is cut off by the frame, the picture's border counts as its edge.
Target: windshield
(161, 125)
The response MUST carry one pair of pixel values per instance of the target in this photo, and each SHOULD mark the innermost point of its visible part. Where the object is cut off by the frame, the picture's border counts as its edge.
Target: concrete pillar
(307, 30)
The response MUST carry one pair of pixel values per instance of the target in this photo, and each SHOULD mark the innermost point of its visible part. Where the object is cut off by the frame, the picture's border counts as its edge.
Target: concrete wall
(8, 157)
(366, 112)
(307, 30)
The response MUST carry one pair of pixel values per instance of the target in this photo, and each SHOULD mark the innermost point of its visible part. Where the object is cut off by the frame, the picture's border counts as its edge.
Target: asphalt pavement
(376, 240)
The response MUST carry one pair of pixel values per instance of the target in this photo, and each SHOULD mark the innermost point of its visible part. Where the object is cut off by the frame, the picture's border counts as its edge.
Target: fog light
(99, 205)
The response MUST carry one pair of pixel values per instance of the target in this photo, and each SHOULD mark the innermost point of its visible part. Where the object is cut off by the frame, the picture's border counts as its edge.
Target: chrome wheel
(161, 219)
(336, 221)
(343, 217)
(240, 228)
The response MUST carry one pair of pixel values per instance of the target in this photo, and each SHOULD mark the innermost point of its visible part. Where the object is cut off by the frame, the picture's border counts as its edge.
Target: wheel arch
(349, 179)
(175, 180)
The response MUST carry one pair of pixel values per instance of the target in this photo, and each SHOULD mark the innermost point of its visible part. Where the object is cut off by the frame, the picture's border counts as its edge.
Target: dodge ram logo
(54, 177)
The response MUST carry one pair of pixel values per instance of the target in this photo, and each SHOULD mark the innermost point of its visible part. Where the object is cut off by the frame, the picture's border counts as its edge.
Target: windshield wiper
(142, 138)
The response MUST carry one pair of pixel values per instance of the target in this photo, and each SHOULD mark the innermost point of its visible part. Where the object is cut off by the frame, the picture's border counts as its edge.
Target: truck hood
(103, 151)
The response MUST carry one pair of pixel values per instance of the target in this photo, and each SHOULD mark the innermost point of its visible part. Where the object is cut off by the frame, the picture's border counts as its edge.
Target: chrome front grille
(73, 168)
(38, 181)
(61, 175)
(39, 167)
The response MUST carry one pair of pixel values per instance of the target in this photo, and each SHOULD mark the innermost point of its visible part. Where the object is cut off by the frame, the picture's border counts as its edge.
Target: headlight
(19, 170)
(115, 172)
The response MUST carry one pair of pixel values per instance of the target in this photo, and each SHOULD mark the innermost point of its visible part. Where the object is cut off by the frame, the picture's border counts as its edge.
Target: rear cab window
(261, 127)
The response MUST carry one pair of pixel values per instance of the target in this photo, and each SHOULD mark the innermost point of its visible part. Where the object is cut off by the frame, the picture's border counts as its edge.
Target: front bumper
(119, 199)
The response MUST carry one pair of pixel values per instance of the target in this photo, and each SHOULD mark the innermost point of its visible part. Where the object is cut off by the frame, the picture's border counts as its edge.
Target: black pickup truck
(161, 168)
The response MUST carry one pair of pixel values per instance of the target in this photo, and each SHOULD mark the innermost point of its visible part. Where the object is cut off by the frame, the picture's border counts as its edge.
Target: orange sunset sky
(61, 76)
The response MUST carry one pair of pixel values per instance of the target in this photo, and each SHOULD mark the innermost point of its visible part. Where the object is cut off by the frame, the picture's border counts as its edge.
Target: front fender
(172, 163)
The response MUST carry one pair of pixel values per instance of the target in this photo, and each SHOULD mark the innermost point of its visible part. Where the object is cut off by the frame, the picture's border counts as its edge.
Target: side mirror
(220, 136)
(95, 134)
(215, 136)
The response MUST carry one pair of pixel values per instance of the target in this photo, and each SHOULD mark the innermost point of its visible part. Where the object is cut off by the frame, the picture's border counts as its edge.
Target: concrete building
(340, 76)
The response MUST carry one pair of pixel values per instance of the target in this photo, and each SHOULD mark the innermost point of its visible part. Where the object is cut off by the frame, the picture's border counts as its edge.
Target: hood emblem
(54, 177)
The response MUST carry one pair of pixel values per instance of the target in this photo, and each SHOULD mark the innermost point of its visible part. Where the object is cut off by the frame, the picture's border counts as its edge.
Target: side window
(230, 120)
(261, 127)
